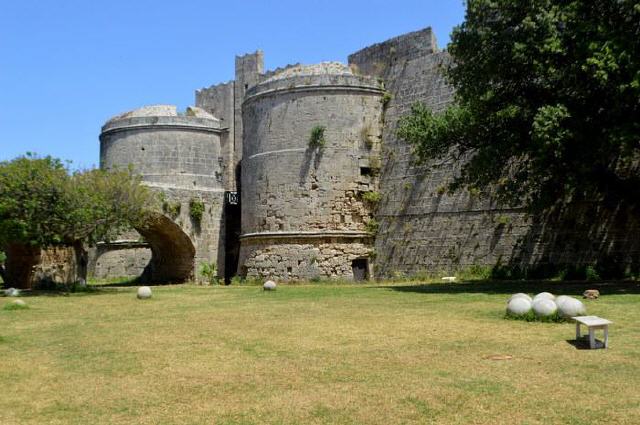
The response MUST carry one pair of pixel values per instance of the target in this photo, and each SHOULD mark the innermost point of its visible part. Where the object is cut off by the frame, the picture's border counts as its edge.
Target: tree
(42, 204)
(547, 104)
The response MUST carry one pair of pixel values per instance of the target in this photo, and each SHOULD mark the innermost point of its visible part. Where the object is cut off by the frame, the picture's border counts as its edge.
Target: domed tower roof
(323, 68)
(159, 111)
(325, 75)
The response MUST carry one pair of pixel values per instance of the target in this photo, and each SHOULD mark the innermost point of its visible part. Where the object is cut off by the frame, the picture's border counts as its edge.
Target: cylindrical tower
(310, 160)
(179, 155)
(166, 148)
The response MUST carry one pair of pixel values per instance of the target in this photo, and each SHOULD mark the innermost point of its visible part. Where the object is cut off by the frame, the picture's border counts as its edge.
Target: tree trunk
(82, 261)
(19, 265)
(3, 274)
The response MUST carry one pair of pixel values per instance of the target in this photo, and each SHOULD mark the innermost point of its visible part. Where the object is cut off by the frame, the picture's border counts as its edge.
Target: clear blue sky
(67, 66)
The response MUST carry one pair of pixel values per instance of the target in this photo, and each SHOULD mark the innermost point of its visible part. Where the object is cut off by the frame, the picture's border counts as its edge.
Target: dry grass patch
(310, 354)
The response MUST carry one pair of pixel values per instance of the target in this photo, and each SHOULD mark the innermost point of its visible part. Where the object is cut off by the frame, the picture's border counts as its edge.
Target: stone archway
(172, 251)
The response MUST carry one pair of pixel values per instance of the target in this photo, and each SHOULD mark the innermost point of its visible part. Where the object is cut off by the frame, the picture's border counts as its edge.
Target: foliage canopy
(547, 102)
(42, 203)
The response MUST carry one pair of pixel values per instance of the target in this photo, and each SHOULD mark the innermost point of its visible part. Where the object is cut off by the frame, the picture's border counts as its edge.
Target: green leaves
(42, 204)
(547, 101)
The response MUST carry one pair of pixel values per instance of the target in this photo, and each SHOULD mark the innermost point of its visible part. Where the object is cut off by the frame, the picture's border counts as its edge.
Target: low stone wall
(297, 258)
(125, 259)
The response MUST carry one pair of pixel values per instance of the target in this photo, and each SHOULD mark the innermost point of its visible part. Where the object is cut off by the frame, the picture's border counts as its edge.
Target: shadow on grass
(510, 287)
(583, 344)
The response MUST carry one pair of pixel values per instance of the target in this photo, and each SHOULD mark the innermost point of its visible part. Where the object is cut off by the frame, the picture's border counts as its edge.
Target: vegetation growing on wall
(372, 226)
(196, 209)
(172, 209)
(545, 92)
(372, 197)
(386, 98)
(317, 139)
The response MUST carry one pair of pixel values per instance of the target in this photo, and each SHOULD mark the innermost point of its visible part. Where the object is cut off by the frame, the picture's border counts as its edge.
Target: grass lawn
(376, 354)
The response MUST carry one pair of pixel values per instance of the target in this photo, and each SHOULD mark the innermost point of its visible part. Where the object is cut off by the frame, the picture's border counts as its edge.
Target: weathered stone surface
(544, 296)
(269, 285)
(572, 307)
(591, 294)
(144, 292)
(309, 218)
(520, 295)
(544, 307)
(519, 306)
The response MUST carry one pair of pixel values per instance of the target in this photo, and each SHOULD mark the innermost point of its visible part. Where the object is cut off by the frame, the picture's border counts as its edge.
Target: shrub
(196, 209)
(172, 209)
(209, 271)
(531, 317)
(386, 98)
(372, 197)
(372, 226)
(591, 273)
(317, 140)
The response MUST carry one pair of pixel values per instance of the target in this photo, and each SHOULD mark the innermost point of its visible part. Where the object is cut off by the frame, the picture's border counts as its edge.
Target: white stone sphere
(562, 299)
(544, 296)
(572, 307)
(269, 285)
(520, 295)
(544, 307)
(12, 292)
(144, 292)
(19, 302)
(519, 306)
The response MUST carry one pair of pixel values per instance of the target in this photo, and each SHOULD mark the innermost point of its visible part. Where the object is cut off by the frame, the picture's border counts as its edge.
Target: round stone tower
(178, 154)
(309, 173)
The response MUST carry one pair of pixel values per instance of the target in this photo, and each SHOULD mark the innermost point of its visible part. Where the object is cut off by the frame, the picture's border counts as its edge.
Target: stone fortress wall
(303, 210)
(421, 227)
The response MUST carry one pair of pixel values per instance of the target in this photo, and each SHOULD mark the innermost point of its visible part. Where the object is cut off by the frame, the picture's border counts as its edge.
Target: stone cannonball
(12, 292)
(144, 292)
(519, 306)
(544, 307)
(561, 300)
(520, 295)
(572, 307)
(544, 296)
(269, 285)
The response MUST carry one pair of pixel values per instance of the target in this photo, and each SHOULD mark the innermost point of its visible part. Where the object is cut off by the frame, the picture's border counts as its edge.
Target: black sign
(232, 198)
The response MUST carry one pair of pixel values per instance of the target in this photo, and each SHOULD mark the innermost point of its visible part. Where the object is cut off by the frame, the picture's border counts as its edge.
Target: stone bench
(592, 323)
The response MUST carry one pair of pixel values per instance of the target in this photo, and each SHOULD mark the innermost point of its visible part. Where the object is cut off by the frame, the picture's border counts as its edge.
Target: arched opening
(172, 251)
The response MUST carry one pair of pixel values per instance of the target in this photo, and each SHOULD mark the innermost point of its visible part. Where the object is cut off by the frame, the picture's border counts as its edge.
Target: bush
(372, 197)
(209, 271)
(372, 226)
(317, 140)
(591, 274)
(196, 209)
(531, 317)
(172, 209)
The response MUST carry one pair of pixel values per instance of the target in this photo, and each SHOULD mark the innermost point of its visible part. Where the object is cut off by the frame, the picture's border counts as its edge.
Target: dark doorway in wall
(232, 230)
(360, 269)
